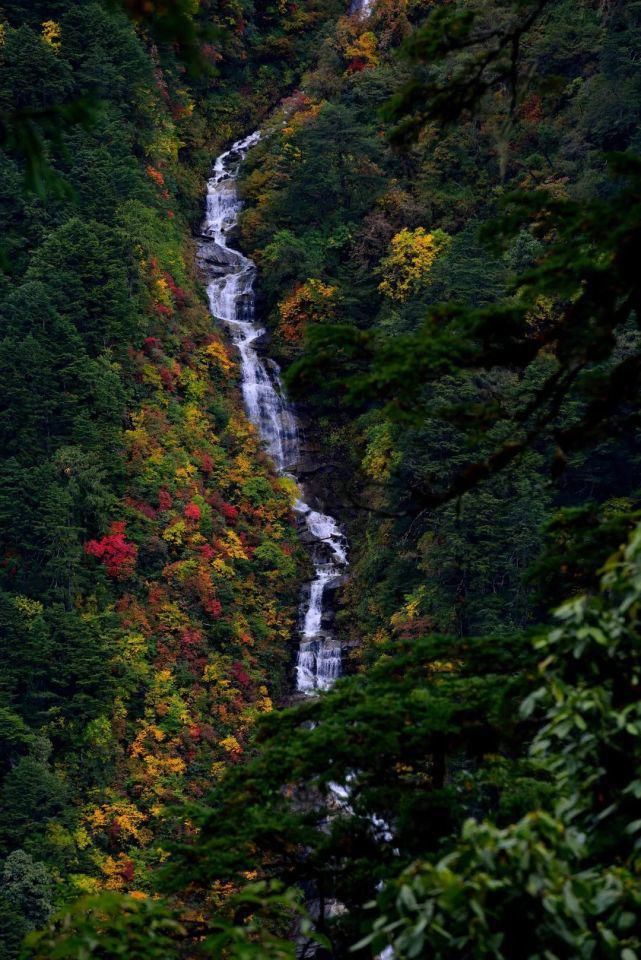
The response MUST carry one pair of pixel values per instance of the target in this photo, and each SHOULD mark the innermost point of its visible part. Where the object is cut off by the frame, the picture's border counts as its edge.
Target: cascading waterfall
(230, 288)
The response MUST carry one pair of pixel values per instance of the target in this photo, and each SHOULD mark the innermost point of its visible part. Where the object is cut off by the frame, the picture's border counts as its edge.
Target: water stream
(230, 278)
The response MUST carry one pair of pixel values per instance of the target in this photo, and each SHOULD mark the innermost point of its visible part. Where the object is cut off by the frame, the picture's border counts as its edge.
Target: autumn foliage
(117, 554)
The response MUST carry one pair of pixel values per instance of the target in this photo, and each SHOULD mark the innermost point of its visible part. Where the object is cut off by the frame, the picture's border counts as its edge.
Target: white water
(361, 7)
(230, 289)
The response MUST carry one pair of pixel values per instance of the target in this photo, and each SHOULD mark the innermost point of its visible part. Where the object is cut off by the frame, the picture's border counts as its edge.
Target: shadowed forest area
(320, 557)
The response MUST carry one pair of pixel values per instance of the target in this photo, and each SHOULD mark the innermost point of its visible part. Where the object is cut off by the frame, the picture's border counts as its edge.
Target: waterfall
(230, 278)
(361, 7)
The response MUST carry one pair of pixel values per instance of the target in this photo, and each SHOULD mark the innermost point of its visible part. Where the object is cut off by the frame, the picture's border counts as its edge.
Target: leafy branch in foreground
(562, 885)
(462, 53)
(109, 926)
(31, 133)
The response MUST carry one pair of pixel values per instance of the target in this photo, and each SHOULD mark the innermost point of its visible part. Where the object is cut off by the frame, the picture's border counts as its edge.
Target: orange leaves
(196, 588)
(309, 302)
(156, 176)
(299, 110)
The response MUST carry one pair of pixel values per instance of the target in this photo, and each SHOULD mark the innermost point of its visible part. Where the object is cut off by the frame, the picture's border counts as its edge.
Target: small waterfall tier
(230, 278)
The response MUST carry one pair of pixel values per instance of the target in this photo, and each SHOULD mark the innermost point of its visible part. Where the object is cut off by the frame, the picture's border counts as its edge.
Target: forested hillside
(149, 570)
(444, 209)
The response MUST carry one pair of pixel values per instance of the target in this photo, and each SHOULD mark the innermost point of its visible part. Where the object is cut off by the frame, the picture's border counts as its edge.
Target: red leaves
(164, 500)
(207, 552)
(240, 674)
(152, 345)
(206, 463)
(167, 377)
(229, 512)
(143, 508)
(213, 607)
(118, 556)
(192, 512)
(178, 293)
(532, 110)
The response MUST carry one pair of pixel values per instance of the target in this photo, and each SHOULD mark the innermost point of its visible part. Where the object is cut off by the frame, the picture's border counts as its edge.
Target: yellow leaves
(231, 745)
(3, 34)
(139, 442)
(407, 266)
(83, 883)
(117, 871)
(98, 818)
(159, 766)
(289, 486)
(242, 469)
(30, 609)
(381, 455)
(380, 637)
(218, 356)
(304, 112)
(232, 546)
(51, 34)
(216, 670)
(151, 376)
(81, 838)
(122, 819)
(240, 427)
(362, 52)
(195, 419)
(195, 389)
(133, 654)
(410, 610)
(186, 472)
(224, 570)
(175, 533)
(148, 731)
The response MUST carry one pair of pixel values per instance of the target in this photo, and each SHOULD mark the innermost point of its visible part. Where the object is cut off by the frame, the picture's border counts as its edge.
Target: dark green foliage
(566, 884)
(25, 900)
(433, 708)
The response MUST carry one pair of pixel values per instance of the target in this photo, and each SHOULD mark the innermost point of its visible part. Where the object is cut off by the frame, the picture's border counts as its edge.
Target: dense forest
(432, 249)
